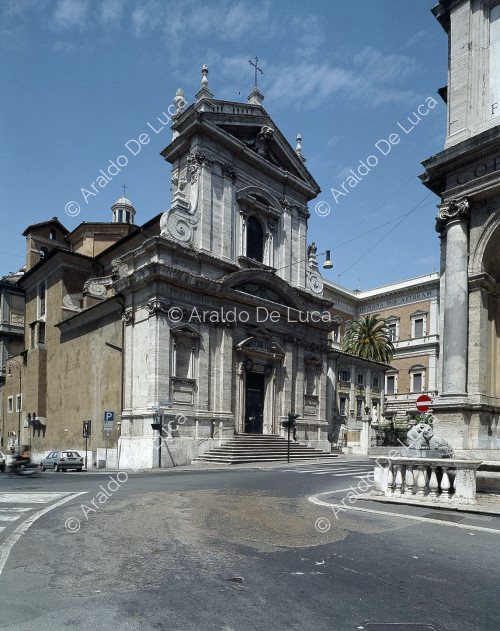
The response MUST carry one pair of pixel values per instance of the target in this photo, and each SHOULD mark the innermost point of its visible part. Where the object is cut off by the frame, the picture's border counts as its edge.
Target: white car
(62, 460)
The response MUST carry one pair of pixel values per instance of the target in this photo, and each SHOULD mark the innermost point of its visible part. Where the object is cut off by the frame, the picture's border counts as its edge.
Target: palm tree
(369, 337)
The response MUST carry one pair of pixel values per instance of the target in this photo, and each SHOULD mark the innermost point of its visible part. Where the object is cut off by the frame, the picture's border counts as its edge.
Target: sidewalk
(208, 466)
(487, 504)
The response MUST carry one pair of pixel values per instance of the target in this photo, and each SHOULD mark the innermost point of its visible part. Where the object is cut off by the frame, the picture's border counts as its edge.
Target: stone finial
(179, 101)
(255, 97)
(204, 92)
(298, 148)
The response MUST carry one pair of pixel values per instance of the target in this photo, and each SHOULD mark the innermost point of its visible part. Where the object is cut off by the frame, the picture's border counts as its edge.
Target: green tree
(369, 337)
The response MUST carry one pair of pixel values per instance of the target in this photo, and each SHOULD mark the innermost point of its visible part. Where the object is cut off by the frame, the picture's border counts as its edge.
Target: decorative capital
(128, 317)
(228, 170)
(157, 307)
(196, 161)
(286, 203)
(455, 209)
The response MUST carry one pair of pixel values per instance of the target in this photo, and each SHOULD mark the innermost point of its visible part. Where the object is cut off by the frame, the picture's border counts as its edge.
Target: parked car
(3, 462)
(62, 460)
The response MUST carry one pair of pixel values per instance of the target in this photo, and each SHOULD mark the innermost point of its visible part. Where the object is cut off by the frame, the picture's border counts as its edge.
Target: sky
(81, 78)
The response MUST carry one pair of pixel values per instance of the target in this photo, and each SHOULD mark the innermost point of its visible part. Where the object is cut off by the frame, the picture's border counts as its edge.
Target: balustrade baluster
(409, 481)
(390, 481)
(398, 480)
(445, 486)
(421, 480)
(433, 484)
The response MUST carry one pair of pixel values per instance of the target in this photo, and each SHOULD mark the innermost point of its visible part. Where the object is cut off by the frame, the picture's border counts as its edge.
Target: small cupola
(123, 211)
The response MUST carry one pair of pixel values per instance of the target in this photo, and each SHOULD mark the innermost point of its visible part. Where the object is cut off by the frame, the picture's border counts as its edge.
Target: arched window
(43, 253)
(255, 240)
(53, 235)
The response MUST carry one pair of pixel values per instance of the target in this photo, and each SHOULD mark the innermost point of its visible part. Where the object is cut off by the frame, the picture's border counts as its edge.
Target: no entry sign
(423, 403)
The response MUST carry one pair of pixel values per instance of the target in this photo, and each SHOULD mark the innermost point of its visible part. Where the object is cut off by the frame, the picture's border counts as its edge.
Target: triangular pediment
(265, 140)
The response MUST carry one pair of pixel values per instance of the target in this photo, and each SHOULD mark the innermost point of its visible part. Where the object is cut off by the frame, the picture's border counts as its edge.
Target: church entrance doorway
(254, 403)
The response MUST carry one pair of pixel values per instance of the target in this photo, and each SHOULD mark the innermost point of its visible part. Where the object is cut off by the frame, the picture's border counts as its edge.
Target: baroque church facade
(210, 317)
(223, 308)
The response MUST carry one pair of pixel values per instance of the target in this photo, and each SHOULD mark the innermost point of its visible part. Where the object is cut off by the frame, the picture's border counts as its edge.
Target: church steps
(260, 448)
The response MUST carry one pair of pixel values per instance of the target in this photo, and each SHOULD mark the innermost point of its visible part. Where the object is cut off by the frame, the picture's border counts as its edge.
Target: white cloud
(111, 12)
(415, 38)
(70, 13)
(179, 21)
(374, 80)
(147, 17)
(308, 35)
(15, 8)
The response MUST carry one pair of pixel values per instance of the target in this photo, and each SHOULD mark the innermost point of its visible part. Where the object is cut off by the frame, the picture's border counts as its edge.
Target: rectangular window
(33, 335)
(342, 406)
(10, 404)
(391, 384)
(392, 328)
(376, 382)
(419, 327)
(18, 402)
(345, 375)
(41, 299)
(182, 366)
(361, 379)
(359, 407)
(41, 333)
(311, 381)
(417, 382)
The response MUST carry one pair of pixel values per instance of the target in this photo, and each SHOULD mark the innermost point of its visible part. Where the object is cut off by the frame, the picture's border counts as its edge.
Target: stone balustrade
(443, 480)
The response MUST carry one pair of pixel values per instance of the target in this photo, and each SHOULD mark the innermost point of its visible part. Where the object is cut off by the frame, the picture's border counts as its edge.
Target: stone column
(330, 388)
(453, 218)
(352, 396)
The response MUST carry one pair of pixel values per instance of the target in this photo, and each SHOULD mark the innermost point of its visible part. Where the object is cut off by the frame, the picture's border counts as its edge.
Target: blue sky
(80, 78)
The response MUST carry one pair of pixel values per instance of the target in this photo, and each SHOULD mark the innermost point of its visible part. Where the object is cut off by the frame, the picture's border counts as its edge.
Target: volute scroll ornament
(455, 209)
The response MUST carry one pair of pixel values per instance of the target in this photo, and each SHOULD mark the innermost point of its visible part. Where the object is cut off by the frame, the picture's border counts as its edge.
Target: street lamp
(14, 362)
(328, 263)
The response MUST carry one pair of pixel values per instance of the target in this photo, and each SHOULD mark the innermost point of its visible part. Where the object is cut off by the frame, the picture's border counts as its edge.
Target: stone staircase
(260, 448)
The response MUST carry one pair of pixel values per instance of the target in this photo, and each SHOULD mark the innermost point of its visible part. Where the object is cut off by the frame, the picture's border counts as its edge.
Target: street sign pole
(288, 444)
(160, 437)
(106, 455)
(87, 430)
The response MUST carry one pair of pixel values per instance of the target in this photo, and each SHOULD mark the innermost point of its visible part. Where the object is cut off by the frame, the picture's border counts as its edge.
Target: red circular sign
(423, 403)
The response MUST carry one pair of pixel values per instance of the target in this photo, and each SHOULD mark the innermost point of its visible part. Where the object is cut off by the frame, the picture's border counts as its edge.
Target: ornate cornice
(455, 209)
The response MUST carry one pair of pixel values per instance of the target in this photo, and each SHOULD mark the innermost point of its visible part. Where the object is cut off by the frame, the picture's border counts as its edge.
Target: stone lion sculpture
(421, 436)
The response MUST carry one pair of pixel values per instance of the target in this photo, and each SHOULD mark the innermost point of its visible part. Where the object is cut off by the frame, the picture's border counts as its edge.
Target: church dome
(123, 211)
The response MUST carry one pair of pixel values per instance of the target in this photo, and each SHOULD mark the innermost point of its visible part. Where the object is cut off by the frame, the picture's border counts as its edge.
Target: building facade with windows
(411, 309)
(12, 303)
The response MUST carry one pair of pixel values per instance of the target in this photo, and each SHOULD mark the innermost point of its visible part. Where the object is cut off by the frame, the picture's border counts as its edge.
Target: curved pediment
(253, 194)
(266, 285)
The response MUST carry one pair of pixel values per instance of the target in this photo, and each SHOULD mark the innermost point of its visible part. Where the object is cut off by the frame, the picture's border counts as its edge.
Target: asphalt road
(237, 549)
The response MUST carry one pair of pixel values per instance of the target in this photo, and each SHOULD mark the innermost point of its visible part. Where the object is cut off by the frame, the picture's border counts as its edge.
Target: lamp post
(11, 363)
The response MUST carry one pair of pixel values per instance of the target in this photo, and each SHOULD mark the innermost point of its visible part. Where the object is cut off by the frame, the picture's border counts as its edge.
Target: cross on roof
(124, 189)
(255, 65)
